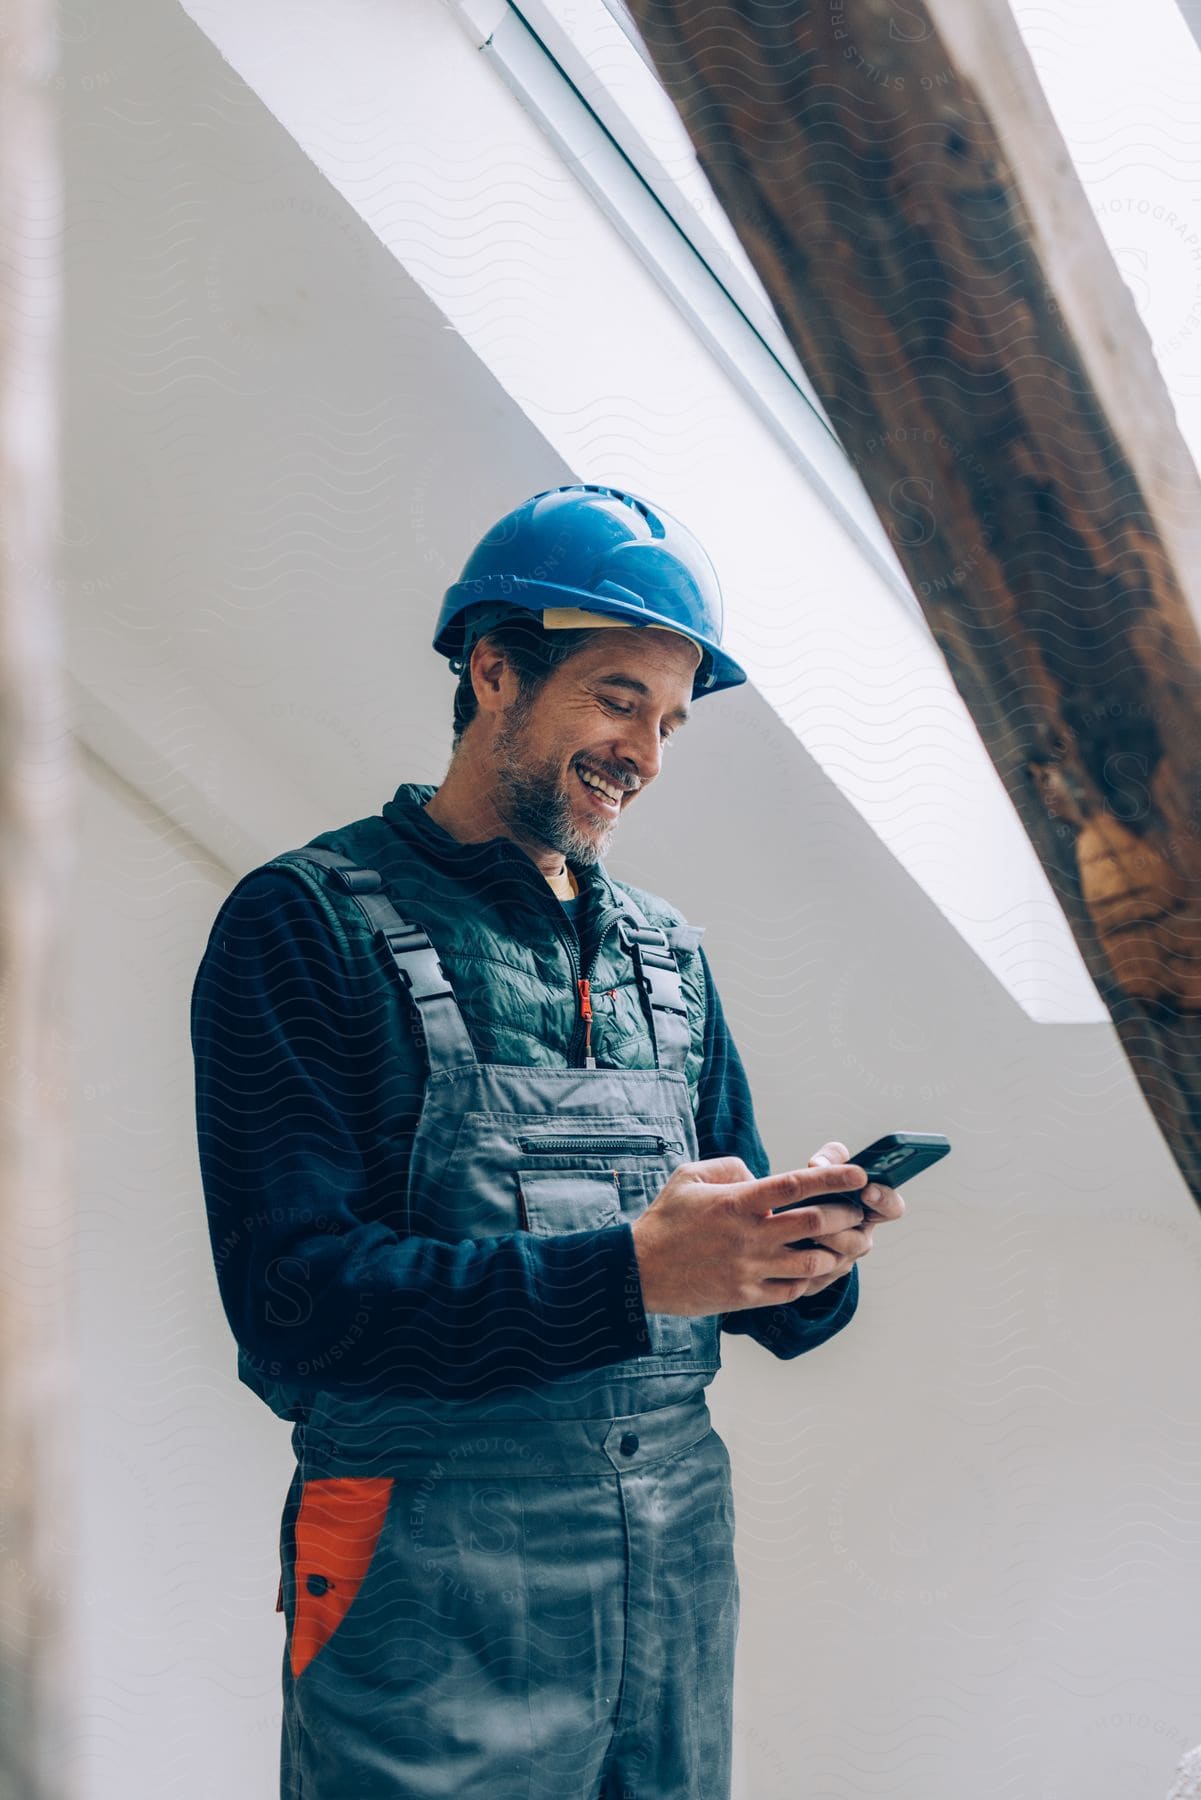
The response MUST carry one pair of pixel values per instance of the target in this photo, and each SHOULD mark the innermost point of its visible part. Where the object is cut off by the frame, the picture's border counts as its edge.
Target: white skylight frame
(641, 118)
(562, 63)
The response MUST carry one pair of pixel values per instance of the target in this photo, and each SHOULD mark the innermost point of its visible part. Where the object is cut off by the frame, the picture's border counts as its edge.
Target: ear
(492, 680)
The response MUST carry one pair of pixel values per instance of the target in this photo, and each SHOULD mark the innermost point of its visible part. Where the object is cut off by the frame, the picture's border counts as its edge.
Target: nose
(640, 748)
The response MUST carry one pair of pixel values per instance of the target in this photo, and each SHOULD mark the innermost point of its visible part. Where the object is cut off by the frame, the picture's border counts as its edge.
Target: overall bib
(532, 1595)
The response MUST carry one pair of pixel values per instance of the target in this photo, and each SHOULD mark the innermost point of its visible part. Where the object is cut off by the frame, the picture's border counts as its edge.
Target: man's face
(609, 711)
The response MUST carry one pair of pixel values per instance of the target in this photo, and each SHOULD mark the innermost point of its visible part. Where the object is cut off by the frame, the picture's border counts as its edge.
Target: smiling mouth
(607, 807)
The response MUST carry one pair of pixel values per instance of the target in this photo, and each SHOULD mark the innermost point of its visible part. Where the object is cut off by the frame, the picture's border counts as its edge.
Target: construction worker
(484, 1185)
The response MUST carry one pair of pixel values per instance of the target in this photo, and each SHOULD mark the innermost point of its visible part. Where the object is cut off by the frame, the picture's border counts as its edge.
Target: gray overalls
(529, 1596)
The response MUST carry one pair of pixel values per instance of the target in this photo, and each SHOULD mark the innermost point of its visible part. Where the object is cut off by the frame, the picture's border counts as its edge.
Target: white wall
(184, 1472)
(968, 1529)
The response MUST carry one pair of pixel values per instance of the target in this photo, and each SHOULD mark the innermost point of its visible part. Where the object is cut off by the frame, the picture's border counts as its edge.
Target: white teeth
(603, 787)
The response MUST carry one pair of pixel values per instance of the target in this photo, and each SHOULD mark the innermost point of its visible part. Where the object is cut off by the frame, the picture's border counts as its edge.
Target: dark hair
(533, 654)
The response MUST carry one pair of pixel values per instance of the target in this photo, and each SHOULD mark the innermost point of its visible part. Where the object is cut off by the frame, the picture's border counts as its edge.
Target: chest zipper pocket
(640, 1144)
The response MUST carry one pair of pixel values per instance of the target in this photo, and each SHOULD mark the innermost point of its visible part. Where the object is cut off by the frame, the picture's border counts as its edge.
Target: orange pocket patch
(337, 1528)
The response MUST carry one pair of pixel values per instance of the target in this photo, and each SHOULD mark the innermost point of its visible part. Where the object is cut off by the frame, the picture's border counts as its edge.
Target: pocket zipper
(642, 1145)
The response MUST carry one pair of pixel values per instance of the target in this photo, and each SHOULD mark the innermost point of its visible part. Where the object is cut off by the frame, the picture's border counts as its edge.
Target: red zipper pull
(585, 990)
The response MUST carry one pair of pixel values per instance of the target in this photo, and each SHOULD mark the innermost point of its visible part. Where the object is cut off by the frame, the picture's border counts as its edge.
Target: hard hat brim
(717, 670)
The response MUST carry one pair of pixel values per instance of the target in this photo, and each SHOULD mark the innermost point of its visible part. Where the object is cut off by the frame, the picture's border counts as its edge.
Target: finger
(818, 1221)
(814, 1260)
(883, 1203)
(853, 1243)
(833, 1152)
(795, 1186)
(822, 1266)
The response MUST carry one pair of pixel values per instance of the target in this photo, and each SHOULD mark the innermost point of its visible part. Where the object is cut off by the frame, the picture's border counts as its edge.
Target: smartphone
(891, 1161)
(897, 1158)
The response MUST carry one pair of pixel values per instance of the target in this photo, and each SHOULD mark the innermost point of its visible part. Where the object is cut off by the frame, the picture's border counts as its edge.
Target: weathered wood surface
(39, 1574)
(897, 178)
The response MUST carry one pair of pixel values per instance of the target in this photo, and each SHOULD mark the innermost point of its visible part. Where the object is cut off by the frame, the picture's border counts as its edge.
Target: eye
(665, 737)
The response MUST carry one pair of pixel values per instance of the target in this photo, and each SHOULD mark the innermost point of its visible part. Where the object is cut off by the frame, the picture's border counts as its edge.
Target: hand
(709, 1241)
(879, 1205)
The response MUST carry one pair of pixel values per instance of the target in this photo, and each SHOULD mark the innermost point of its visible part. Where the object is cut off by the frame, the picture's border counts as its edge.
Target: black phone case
(899, 1157)
(889, 1160)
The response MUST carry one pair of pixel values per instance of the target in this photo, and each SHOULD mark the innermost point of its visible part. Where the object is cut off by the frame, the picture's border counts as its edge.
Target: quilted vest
(509, 950)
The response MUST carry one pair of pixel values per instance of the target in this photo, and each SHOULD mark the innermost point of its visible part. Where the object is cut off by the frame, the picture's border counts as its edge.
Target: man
(484, 1185)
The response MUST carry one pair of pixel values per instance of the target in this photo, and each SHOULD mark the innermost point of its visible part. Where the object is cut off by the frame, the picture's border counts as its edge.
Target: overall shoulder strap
(435, 1011)
(658, 976)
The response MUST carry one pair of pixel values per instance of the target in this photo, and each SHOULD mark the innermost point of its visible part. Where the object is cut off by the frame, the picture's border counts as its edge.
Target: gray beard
(536, 806)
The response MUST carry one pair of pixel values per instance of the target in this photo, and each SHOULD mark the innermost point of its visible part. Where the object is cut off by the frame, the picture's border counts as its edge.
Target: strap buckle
(360, 881)
(644, 938)
(655, 966)
(402, 941)
(416, 963)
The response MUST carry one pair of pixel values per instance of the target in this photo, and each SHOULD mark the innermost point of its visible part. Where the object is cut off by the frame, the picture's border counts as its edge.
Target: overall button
(629, 1443)
(317, 1584)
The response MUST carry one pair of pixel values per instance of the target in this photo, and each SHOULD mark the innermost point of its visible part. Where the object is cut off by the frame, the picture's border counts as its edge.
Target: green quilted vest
(508, 948)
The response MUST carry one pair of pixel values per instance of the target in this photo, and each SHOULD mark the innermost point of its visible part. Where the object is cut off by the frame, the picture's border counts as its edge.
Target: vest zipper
(584, 990)
(579, 1050)
(580, 1046)
(571, 938)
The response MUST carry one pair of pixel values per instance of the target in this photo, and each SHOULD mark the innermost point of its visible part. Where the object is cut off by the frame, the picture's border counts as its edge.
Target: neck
(463, 806)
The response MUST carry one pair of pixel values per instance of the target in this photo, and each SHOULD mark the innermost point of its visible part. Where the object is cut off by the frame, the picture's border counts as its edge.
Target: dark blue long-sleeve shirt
(320, 1290)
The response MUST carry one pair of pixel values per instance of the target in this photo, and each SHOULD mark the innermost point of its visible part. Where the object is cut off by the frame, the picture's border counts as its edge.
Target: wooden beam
(39, 1570)
(898, 180)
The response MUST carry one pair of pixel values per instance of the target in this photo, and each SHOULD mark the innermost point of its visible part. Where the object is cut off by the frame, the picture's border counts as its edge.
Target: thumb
(833, 1152)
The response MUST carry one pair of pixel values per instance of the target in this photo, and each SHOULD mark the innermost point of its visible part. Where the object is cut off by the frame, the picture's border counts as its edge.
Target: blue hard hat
(594, 550)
